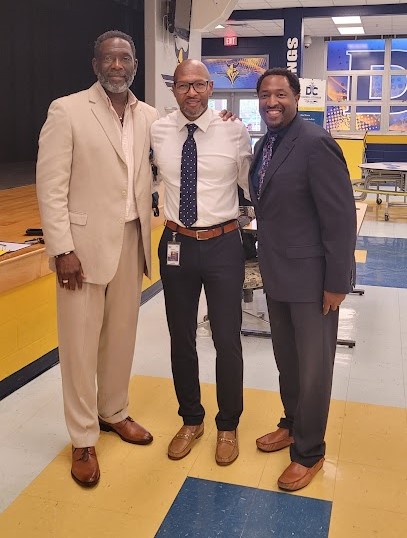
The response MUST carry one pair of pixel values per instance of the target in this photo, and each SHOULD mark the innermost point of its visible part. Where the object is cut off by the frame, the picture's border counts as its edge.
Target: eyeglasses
(200, 86)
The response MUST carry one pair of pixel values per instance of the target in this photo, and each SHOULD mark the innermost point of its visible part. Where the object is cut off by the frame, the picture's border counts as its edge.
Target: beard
(192, 113)
(117, 87)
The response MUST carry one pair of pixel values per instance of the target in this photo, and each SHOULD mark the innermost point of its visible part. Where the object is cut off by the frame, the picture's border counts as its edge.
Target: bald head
(192, 68)
(192, 88)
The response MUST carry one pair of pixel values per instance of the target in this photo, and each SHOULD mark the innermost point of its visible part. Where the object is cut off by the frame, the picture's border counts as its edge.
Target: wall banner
(311, 105)
(236, 72)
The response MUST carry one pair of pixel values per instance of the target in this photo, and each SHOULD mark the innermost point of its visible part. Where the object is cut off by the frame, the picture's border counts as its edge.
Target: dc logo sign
(311, 90)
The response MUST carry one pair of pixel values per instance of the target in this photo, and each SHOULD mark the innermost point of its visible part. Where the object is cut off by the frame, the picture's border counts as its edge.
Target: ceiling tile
(319, 27)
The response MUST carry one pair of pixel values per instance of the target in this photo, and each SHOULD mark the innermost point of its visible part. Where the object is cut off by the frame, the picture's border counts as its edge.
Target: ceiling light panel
(347, 20)
(351, 30)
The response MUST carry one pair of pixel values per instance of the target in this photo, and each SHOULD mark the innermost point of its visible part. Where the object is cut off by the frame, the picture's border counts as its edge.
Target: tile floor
(361, 493)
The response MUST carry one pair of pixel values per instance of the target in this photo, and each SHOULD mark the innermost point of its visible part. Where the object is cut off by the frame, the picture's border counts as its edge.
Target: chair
(253, 281)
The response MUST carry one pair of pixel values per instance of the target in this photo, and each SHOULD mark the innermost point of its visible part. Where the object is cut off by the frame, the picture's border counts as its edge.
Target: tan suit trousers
(97, 334)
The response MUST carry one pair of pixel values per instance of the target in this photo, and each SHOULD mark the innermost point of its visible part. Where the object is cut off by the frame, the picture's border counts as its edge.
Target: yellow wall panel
(353, 151)
(28, 328)
(8, 339)
(28, 316)
(26, 355)
(36, 324)
(15, 302)
(155, 266)
(386, 139)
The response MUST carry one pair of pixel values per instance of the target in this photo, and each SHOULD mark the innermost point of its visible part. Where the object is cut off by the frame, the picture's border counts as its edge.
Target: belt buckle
(200, 238)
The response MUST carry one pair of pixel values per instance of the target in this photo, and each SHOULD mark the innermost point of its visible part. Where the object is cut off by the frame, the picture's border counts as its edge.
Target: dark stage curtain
(47, 51)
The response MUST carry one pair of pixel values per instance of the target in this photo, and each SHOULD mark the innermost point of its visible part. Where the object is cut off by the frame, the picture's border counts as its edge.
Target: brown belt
(202, 235)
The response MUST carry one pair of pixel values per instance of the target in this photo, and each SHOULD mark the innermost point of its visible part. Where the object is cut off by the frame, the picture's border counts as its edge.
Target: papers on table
(6, 247)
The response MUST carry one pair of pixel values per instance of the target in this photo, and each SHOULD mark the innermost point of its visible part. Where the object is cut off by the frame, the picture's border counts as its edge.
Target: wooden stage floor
(19, 211)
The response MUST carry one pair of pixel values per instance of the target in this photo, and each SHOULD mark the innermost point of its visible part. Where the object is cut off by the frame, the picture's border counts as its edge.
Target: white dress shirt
(224, 157)
(126, 134)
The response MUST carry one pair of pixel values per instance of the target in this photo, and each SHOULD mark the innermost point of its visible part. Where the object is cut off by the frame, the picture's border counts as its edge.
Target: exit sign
(230, 41)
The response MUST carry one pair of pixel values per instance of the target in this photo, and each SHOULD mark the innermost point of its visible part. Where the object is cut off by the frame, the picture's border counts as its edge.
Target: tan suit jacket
(82, 182)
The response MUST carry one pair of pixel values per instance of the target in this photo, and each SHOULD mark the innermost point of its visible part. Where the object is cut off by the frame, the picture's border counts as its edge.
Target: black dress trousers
(217, 264)
(304, 343)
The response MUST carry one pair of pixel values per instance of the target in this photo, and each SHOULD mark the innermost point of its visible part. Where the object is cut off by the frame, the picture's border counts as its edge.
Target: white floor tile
(18, 468)
(377, 392)
(400, 229)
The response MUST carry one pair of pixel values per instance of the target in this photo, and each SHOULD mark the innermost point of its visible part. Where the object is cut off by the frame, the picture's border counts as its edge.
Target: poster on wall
(236, 72)
(311, 105)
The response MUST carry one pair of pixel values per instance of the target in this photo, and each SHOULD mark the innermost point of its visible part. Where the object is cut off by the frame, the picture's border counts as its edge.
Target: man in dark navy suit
(306, 238)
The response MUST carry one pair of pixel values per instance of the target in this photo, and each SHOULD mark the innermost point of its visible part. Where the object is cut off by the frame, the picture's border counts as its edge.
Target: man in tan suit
(94, 192)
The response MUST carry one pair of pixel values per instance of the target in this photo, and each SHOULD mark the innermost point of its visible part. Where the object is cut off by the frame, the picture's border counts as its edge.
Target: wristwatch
(63, 254)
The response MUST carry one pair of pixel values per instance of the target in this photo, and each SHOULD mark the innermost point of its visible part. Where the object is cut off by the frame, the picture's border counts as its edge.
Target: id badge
(173, 252)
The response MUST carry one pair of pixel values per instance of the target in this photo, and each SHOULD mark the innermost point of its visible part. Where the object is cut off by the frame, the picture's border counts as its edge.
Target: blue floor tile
(206, 509)
(386, 262)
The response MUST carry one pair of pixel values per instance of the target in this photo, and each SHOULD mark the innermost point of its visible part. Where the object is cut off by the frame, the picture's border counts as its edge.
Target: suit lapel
(282, 151)
(104, 117)
(139, 129)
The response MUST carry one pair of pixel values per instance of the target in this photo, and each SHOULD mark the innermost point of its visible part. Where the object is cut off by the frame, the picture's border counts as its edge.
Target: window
(367, 85)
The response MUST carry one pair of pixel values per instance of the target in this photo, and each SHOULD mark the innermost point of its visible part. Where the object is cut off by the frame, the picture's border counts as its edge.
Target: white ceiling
(321, 27)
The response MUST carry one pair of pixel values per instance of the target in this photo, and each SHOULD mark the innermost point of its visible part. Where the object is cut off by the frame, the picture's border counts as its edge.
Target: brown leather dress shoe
(181, 444)
(271, 442)
(227, 448)
(296, 476)
(128, 431)
(85, 467)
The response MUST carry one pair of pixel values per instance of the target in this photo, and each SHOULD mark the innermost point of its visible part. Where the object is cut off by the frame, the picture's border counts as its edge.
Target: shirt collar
(202, 122)
(131, 100)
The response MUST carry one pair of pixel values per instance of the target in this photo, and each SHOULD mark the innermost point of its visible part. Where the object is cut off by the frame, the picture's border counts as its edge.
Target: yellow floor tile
(31, 517)
(387, 451)
(371, 487)
(333, 433)
(375, 436)
(153, 403)
(350, 521)
(376, 418)
(274, 465)
(155, 488)
(360, 256)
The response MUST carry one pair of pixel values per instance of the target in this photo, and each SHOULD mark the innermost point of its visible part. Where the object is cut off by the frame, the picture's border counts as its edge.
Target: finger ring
(65, 281)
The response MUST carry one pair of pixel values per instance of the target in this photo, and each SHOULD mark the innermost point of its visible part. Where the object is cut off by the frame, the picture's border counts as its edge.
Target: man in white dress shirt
(202, 160)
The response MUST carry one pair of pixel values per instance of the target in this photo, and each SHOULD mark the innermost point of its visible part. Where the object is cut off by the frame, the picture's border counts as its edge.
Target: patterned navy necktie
(188, 212)
(267, 153)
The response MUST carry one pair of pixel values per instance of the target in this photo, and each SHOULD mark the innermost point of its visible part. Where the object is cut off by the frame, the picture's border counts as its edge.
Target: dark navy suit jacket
(306, 216)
